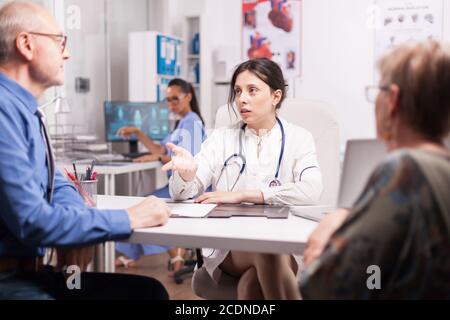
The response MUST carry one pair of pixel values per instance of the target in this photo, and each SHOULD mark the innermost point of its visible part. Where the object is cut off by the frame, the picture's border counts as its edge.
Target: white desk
(255, 234)
(110, 171)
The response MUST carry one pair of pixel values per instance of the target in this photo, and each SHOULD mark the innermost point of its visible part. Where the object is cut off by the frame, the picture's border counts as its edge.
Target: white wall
(122, 20)
(338, 55)
(337, 47)
(338, 62)
(88, 46)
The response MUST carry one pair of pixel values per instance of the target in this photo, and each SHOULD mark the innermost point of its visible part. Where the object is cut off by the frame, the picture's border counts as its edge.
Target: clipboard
(250, 210)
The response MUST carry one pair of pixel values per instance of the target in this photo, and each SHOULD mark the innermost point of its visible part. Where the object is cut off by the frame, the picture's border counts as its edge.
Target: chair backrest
(318, 118)
(225, 116)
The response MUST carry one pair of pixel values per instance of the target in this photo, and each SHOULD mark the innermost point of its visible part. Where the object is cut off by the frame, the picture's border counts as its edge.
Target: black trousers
(93, 286)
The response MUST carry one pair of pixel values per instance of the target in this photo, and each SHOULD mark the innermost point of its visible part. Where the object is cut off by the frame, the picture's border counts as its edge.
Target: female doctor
(263, 160)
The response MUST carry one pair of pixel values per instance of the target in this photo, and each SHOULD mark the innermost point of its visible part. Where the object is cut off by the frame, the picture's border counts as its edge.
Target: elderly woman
(395, 241)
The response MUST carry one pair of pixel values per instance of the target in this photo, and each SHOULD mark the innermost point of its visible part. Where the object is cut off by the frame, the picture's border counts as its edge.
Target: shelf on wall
(222, 81)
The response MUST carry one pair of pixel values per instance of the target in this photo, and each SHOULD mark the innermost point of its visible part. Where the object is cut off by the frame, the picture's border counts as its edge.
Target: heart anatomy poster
(406, 20)
(272, 29)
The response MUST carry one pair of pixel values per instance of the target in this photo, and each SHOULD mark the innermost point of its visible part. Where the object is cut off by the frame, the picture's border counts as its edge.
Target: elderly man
(38, 207)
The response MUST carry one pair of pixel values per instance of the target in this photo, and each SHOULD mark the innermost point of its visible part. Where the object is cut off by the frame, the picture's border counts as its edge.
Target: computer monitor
(151, 118)
(362, 156)
(361, 159)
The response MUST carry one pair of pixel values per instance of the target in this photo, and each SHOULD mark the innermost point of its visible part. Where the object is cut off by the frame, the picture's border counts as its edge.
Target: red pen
(71, 176)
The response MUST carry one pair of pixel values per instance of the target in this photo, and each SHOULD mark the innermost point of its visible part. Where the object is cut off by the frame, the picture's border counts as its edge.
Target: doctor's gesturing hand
(186, 165)
(182, 161)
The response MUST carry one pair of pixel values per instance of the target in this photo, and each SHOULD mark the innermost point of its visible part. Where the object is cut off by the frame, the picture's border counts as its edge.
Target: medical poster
(404, 20)
(272, 29)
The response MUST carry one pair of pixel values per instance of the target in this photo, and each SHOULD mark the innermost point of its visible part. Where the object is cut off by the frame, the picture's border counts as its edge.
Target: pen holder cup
(89, 192)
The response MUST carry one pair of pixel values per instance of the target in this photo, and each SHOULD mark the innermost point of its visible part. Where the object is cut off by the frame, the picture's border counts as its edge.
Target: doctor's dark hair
(187, 88)
(266, 70)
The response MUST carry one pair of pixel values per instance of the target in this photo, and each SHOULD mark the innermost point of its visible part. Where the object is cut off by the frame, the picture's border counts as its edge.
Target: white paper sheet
(190, 210)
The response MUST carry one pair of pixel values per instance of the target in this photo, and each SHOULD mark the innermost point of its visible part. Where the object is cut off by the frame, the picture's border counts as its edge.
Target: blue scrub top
(189, 134)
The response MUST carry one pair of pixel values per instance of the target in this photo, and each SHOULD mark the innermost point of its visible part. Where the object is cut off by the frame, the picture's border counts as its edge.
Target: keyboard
(109, 157)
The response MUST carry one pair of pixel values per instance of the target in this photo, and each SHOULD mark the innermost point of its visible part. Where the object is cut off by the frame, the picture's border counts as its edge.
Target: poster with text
(404, 20)
(272, 29)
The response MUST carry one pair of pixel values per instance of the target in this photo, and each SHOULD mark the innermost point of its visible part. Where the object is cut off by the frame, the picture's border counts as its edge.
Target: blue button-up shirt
(28, 223)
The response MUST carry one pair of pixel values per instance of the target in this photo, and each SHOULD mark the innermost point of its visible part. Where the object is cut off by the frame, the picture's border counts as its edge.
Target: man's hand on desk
(322, 234)
(149, 213)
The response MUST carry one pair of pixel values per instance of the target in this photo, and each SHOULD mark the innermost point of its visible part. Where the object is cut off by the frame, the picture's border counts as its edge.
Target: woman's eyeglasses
(61, 38)
(372, 92)
(175, 99)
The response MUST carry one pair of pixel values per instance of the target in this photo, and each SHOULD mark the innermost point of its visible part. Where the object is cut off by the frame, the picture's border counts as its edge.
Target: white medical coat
(299, 174)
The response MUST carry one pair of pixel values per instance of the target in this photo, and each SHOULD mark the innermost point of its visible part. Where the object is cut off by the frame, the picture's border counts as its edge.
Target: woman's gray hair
(15, 17)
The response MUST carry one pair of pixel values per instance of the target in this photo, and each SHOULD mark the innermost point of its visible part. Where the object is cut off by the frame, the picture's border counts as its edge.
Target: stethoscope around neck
(275, 182)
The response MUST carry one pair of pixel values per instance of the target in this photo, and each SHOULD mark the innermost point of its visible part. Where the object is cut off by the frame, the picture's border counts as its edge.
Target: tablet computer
(314, 213)
(250, 210)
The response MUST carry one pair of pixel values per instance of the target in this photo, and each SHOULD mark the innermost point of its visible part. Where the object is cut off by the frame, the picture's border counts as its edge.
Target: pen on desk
(75, 170)
(71, 176)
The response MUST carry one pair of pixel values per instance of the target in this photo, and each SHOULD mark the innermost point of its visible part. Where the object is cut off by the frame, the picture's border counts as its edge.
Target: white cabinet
(192, 38)
(154, 60)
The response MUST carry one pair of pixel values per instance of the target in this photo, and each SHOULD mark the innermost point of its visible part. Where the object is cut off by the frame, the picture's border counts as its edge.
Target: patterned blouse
(395, 244)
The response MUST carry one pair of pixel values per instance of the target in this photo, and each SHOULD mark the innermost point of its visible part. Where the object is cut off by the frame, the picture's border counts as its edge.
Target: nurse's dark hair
(266, 70)
(187, 88)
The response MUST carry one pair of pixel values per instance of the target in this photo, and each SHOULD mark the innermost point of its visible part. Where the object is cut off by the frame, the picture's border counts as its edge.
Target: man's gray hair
(15, 17)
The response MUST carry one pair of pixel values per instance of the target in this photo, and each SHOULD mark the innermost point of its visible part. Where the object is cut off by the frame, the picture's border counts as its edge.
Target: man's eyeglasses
(175, 100)
(372, 92)
(62, 39)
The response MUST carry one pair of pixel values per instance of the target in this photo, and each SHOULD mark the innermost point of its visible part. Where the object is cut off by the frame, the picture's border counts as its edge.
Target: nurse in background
(189, 134)
(268, 161)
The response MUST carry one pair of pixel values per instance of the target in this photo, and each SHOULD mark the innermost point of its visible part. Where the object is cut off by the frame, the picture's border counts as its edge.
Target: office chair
(316, 117)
